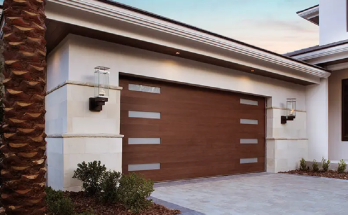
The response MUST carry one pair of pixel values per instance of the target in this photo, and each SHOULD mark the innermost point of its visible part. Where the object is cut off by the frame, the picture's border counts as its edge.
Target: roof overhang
(99, 20)
(311, 14)
(332, 56)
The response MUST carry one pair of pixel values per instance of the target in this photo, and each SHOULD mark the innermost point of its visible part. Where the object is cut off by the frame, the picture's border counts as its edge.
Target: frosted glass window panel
(141, 167)
(248, 160)
(249, 141)
(146, 115)
(249, 121)
(143, 88)
(144, 141)
(249, 102)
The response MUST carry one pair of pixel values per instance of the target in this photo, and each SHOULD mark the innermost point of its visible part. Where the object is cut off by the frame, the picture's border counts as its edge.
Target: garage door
(173, 131)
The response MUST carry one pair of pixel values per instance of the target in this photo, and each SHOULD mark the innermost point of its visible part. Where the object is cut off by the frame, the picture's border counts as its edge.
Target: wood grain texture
(199, 128)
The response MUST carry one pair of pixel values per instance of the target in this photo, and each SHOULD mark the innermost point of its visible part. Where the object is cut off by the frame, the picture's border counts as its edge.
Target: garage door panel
(139, 125)
(181, 129)
(184, 156)
(183, 117)
(249, 168)
(255, 129)
(175, 171)
(172, 173)
(183, 100)
(184, 160)
(190, 151)
(170, 108)
(199, 130)
(183, 173)
(251, 151)
(183, 142)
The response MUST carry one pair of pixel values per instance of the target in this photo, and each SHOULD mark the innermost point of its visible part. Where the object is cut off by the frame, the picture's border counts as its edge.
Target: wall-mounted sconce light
(290, 111)
(101, 89)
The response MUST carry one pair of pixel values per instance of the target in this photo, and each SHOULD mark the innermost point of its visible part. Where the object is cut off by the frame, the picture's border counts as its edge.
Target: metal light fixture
(290, 111)
(101, 88)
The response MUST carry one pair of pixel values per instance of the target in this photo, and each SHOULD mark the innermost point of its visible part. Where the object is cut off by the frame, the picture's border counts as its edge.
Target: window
(345, 110)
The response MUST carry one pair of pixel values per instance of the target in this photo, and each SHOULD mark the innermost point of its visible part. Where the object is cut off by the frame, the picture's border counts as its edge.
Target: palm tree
(24, 142)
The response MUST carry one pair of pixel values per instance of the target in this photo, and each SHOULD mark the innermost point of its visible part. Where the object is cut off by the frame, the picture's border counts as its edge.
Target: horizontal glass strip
(140, 167)
(147, 115)
(249, 102)
(248, 160)
(249, 121)
(142, 88)
(249, 141)
(144, 140)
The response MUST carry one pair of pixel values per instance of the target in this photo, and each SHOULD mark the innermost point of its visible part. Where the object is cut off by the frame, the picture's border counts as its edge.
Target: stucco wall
(317, 120)
(333, 21)
(338, 149)
(58, 65)
(286, 144)
(119, 58)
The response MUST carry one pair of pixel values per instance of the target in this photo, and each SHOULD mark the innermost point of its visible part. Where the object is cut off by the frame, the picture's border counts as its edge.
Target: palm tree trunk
(24, 113)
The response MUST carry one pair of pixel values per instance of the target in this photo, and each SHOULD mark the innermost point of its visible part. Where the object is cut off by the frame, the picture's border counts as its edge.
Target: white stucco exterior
(338, 149)
(69, 120)
(317, 105)
(333, 21)
(324, 101)
(75, 134)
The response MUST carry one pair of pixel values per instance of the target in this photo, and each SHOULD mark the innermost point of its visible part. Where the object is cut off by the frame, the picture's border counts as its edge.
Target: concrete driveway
(261, 193)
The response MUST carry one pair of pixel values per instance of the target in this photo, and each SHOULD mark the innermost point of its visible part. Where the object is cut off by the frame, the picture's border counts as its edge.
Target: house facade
(331, 54)
(184, 102)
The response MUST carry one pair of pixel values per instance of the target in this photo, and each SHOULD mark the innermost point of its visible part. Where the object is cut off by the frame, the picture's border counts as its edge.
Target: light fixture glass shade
(291, 107)
(101, 79)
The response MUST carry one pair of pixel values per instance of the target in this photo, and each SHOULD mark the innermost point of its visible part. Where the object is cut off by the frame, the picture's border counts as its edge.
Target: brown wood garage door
(175, 131)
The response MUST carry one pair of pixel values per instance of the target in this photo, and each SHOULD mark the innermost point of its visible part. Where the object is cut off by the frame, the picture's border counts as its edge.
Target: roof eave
(136, 16)
(310, 14)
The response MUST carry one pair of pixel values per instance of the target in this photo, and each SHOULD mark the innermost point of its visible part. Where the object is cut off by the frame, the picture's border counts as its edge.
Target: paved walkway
(261, 193)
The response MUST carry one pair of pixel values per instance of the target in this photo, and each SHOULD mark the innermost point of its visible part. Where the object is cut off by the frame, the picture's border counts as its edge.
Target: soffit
(239, 51)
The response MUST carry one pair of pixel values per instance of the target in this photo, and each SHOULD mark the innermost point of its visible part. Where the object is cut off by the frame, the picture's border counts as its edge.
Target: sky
(269, 24)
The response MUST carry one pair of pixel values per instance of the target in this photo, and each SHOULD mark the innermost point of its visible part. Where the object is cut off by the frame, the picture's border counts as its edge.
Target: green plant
(109, 186)
(134, 191)
(303, 165)
(315, 166)
(90, 174)
(325, 164)
(57, 203)
(341, 166)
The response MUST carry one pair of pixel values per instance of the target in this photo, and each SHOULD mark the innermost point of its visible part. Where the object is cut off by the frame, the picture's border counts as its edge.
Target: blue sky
(269, 24)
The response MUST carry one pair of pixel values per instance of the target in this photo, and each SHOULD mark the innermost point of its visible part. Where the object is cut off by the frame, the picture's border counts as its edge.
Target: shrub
(134, 191)
(325, 164)
(315, 166)
(90, 174)
(109, 186)
(303, 165)
(57, 203)
(341, 166)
